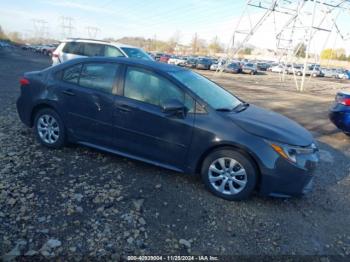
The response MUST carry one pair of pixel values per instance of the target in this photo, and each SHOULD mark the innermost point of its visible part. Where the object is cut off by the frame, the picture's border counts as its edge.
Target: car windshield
(136, 53)
(214, 95)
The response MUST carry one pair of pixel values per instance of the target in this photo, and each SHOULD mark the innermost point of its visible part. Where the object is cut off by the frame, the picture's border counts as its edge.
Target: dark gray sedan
(171, 117)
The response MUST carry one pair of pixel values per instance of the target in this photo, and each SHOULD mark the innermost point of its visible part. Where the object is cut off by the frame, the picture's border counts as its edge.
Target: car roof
(152, 65)
(95, 41)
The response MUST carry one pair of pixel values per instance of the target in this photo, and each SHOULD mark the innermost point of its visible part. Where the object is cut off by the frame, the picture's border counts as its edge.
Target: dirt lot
(78, 202)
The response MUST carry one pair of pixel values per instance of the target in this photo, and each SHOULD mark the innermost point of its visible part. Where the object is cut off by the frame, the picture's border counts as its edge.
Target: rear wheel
(229, 174)
(49, 128)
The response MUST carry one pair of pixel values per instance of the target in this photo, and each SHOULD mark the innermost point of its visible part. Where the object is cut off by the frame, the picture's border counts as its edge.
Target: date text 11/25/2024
(172, 258)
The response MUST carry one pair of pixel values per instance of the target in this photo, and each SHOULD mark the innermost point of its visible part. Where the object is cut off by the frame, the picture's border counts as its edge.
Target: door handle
(124, 108)
(68, 92)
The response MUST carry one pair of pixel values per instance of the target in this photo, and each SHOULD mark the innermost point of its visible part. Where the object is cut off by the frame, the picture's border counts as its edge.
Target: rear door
(87, 92)
(144, 129)
(72, 50)
(82, 49)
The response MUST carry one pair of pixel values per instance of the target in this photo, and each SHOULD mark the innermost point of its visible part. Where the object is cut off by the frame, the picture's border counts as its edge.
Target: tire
(299, 73)
(242, 171)
(49, 128)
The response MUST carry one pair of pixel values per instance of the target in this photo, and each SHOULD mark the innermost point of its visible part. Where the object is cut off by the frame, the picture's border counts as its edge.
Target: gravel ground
(78, 202)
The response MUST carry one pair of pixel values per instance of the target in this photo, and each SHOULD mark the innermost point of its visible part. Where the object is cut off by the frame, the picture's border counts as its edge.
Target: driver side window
(150, 88)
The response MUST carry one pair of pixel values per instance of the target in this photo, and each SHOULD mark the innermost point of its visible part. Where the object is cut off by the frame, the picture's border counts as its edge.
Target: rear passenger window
(71, 74)
(112, 51)
(93, 49)
(75, 48)
(99, 76)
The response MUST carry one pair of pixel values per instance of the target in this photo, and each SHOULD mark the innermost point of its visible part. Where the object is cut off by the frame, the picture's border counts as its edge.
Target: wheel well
(36, 109)
(231, 147)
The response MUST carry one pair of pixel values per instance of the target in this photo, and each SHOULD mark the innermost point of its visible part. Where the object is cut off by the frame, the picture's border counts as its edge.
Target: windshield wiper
(241, 107)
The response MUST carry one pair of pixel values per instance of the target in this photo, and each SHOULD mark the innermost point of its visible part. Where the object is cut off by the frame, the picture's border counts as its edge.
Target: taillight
(345, 101)
(24, 81)
(55, 55)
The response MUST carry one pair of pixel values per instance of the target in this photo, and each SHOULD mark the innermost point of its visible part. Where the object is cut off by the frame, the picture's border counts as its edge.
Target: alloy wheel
(227, 176)
(48, 129)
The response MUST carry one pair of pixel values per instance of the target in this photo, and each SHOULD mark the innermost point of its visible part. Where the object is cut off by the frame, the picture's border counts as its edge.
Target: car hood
(272, 126)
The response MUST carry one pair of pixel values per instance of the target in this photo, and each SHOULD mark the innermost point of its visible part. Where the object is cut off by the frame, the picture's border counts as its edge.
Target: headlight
(291, 152)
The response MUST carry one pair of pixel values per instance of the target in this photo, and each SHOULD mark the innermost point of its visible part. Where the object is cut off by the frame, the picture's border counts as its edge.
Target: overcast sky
(156, 18)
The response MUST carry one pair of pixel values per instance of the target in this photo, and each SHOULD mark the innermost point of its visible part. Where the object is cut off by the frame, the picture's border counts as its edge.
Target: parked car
(177, 60)
(217, 65)
(48, 49)
(329, 72)
(233, 68)
(153, 112)
(5, 44)
(249, 68)
(77, 48)
(312, 70)
(295, 69)
(191, 63)
(203, 63)
(342, 74)
(164, 58)
(340, 112)
(262, 66)
(157, 56)
(277, 69)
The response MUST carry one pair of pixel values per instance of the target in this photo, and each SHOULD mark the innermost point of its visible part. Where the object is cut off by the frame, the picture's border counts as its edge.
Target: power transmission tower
(305, 18)
(66, 26)
(92, 31)
(40, 29)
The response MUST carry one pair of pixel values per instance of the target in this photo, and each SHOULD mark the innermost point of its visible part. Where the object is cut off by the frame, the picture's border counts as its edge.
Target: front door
(145, 130)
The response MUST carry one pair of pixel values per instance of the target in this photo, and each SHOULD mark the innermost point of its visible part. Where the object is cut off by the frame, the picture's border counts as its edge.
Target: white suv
(76, 48)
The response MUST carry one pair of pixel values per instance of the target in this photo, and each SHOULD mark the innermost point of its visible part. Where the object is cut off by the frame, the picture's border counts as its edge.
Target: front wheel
(229, 174)
(49, 128)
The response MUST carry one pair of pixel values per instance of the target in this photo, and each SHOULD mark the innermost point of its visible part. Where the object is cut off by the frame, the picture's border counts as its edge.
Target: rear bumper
(341, 119)
(24, 111)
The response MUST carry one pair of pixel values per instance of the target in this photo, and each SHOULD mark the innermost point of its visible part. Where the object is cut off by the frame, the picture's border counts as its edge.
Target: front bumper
(288, 179)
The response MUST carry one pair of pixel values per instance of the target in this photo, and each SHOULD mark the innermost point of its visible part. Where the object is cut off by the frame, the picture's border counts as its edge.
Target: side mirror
(174, 107)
